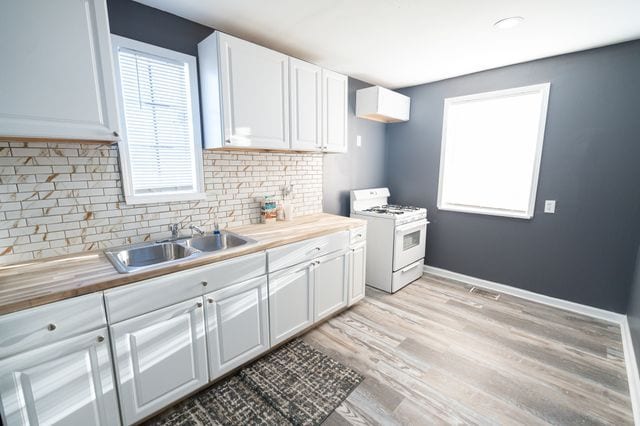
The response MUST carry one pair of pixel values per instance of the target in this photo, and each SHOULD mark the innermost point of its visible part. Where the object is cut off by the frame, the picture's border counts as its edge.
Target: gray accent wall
(361, 167)
(586, 251)
(134, 20)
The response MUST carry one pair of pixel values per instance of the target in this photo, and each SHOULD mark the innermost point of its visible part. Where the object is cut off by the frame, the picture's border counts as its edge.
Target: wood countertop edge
(83, 288)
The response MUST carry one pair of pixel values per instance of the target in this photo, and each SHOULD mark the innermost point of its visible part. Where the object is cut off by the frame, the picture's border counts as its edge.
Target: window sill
(164, 198)
(486, 211)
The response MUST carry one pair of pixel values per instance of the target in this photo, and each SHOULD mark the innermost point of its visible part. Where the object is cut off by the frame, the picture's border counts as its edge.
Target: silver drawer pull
(51, 327)
(318, 249)
(199, 304)
(210, 300)
(100, 339)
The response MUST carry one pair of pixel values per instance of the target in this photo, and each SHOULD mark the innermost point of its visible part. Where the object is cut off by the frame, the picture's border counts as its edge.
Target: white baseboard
(633, 375)
(529, 295)
(632, 369)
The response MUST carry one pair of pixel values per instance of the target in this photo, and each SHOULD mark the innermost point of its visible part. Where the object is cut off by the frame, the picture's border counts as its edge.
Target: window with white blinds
(160, 151)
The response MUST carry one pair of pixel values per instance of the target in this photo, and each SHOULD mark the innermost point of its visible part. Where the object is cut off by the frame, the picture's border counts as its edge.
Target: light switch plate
(550, 206)
(358, 141)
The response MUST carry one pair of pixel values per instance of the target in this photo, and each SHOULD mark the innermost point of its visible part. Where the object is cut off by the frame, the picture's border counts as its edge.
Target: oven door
(410, 243)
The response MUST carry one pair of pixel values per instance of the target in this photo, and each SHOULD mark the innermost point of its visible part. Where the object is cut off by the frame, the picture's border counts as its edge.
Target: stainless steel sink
(147, 255)
(216, 242)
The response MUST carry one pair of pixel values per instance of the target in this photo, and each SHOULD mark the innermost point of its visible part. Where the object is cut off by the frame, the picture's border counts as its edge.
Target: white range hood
(379, 104)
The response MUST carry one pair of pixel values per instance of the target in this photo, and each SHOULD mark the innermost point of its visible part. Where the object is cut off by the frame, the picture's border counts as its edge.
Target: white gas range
(396, 239)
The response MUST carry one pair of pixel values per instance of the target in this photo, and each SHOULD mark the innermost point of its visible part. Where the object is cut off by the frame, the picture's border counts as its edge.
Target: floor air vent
(484, 293)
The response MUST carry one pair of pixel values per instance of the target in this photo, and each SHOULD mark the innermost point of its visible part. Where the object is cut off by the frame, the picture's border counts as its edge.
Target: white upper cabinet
(306, 105)
(254, 97)
(254, 87)
(57, 81)
(335, 88)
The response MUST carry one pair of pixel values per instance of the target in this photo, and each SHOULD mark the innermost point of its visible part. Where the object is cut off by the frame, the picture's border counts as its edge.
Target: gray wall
(590, 165)
(633, 312)
(361, 167)
(143, 23)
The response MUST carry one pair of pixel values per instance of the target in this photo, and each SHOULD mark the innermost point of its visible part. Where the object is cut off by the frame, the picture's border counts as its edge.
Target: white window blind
(161, 152)
(491, 150)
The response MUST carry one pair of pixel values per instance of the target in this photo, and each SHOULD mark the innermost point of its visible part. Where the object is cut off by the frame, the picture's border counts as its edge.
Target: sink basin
(147, 255)
(216, 242)
(134, 258)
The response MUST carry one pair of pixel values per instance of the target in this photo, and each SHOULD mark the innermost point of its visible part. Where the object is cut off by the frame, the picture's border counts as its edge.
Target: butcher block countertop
(37, 282)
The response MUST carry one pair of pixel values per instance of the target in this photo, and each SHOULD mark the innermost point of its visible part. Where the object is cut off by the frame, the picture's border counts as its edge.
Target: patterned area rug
(294, 385)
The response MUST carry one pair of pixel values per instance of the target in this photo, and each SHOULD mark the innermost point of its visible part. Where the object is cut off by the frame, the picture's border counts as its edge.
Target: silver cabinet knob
(210, 300)
(100, 339)
(205, 283)
(199, 304)
(51, 327)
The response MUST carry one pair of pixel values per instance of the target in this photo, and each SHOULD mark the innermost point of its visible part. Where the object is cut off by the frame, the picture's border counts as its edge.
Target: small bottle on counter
(268, 210)
(288, 211)
(279, 212)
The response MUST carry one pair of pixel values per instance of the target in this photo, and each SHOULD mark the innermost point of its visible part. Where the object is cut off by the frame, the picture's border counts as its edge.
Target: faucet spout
(196, 229)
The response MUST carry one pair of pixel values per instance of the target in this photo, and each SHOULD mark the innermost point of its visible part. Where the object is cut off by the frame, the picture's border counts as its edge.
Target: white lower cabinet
(69, 382)
(237, 321)
(331, 277)
(357, 272)
(159, 358)
(290, 301)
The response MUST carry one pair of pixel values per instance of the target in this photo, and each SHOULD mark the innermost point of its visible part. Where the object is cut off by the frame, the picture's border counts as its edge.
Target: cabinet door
(69, 382)
(330, 284)
(357, 270)
(57, 81)
(237, 320)
(334, 111)
(159, 358)
(305, 104)
(255, 94)
(290, 301)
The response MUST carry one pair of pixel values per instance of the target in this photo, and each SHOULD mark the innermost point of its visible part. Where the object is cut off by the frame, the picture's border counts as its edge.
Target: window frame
(199, 193)
(543, 89)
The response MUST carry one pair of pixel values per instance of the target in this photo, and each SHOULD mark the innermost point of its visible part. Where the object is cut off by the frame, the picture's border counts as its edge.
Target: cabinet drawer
(46, 324)
(304, 251)
(163, 291)
(357, 235)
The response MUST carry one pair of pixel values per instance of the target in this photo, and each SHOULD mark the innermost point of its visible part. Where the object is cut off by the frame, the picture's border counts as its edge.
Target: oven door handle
(411, 226)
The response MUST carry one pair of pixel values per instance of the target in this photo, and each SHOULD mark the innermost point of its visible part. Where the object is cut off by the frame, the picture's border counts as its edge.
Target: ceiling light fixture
(510, 22)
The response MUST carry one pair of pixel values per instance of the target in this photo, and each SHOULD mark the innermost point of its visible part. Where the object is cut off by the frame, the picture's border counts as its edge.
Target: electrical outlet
(550, 206)
(358, 141)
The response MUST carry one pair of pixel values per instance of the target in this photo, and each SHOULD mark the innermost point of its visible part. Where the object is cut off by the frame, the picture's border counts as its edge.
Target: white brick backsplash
(57, 199)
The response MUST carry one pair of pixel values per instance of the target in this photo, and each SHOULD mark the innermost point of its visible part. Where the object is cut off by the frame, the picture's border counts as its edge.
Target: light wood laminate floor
(434, 353)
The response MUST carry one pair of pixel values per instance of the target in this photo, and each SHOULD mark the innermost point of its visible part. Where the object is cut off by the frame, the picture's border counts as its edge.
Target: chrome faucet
(196, 229)
(174, 228)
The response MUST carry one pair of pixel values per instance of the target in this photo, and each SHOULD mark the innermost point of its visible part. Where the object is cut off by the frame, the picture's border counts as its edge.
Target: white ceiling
(399, 43)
